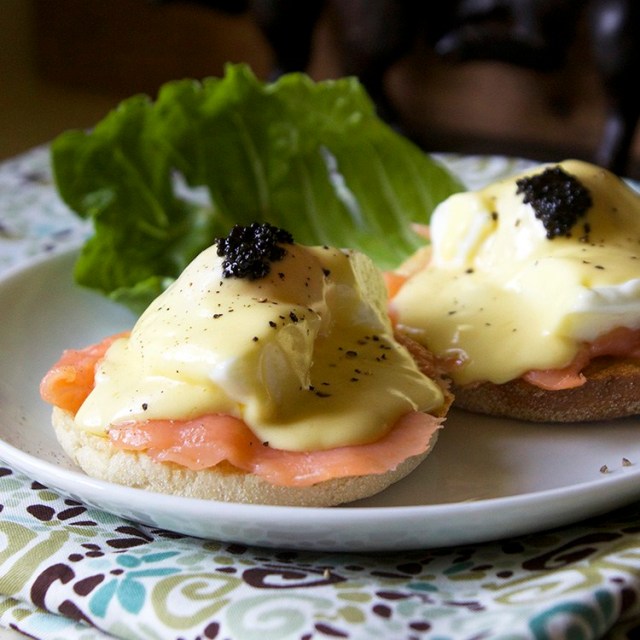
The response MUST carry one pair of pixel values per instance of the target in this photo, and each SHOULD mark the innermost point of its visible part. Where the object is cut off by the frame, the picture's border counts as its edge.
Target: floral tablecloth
(70, 571)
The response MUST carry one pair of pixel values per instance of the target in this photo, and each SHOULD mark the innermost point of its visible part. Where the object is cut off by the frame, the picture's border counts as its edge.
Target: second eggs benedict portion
(530, 291)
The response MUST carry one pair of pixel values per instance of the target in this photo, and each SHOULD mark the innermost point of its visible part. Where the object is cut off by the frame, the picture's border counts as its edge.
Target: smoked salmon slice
(621, 342)
(209, 440)
(394, 282)
(71, 379)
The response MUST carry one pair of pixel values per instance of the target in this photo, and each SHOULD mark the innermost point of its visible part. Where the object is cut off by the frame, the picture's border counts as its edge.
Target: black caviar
(250, 250)
(558, 199)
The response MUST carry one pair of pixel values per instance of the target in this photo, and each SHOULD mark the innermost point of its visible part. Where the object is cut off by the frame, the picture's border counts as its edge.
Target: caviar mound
(250, 250)
(558, 199)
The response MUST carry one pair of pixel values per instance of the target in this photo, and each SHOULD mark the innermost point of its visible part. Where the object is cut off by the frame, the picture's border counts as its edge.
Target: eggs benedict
(529, 292)
(268, 372)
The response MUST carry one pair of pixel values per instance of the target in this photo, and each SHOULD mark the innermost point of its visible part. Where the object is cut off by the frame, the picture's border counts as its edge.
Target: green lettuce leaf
(161, 179)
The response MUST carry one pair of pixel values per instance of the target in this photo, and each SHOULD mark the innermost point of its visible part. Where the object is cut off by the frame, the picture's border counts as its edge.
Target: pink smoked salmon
(207, 441)
(71, 379)
(620, 342)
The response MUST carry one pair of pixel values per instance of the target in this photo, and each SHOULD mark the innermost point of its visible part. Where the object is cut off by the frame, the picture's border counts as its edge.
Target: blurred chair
(533, 34)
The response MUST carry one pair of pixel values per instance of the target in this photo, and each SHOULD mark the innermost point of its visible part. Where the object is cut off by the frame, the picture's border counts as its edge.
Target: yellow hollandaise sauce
(303, 353)
(520, 274)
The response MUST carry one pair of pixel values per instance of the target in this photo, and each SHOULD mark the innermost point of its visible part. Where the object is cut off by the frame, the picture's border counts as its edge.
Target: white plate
(485, 479)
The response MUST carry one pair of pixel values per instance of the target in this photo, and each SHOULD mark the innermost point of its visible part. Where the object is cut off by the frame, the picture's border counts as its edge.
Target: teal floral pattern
(72, 572)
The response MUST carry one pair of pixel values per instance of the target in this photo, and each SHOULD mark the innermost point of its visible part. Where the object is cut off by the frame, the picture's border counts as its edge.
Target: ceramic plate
(486, 478)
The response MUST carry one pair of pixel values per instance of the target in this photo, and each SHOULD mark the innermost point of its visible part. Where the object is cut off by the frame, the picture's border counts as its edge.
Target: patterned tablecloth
(71, 571)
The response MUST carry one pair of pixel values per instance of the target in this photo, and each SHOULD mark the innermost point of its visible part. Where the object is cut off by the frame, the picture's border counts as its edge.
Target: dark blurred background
(65, 63)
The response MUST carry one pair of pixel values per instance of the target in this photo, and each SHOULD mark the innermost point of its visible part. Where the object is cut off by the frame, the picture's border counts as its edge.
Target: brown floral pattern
(69, 567)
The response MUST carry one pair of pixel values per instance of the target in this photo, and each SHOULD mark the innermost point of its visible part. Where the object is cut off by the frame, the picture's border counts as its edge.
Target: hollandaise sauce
(294, 341)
